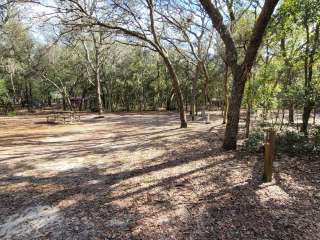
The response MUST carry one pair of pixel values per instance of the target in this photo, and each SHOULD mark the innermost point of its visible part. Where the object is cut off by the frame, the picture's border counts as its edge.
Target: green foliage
(12, 113)
(316, 136)
(5, 100)
(3, 89)
(296, 143)
(254, 141)
(289, 142)
(290, 138)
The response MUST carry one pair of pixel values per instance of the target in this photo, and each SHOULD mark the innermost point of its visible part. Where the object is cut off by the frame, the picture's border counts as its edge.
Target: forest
(159, 119)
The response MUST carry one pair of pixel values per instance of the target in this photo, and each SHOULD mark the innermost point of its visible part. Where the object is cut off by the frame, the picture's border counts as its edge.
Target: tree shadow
(192, 190)
(257, 210)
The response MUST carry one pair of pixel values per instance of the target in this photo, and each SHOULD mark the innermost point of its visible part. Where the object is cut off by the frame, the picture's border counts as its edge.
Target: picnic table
(63, 117)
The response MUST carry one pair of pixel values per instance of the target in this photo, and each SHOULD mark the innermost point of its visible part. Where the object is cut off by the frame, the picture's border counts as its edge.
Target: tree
(127, 19)
(95, 63)
(193, 41)
(308, 16)
(241, 70)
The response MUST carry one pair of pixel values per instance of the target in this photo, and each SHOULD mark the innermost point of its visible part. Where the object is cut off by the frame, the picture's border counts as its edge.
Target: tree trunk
(291, 113)
(109, 95)
(193, 100)
(83, 96)
(305, 117)
(225, 94)
(233, 117)
(239, 72)
(64, 105)
(49, 100)
(282, 118)
(141, 101)
(98, 92)
(65, 99)
(206, 84)
(97, 73)
(30, 98)
(249, 107)
(169, 100)
(177, 90)
(194, 92)
(248, 120)
(308, 68)
(13, 89)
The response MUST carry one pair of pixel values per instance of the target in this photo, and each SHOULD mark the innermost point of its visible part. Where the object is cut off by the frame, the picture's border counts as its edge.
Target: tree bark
(98, 92)
(97, 73)
(291, 113)
(194, 92)
(249, 108)
(248, 120)
(307, 109)
(193, 99)
(13, 89)
(225, 94)
(231, 132)
(30, 97)
(206, 84)
(177, 90)
(288, 67)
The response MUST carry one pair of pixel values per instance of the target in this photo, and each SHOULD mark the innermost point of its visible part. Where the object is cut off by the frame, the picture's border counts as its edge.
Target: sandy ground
(131, 176)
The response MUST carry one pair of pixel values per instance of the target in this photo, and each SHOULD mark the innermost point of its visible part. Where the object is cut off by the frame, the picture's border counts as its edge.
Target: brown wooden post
(267, 173)
(269, 155)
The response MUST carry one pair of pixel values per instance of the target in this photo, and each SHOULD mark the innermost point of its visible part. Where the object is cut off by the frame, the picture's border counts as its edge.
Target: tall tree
(240, 71)
(95, 62)
(138, 21)
(310, 20)
(193, 41)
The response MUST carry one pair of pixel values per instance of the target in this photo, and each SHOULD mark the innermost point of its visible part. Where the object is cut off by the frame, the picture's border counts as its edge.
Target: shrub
(12, 113)
(291, 138)
(289, 142)
(316, 136)
(296, 143)
(254, 141)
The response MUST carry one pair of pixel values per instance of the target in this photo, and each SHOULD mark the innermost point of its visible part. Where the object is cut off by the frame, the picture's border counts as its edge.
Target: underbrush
(254, 141)
(12, 113)
(289, 142)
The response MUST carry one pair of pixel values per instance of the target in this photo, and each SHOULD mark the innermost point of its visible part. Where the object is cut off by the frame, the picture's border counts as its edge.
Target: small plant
(289, 142)
(12, 113)
(294, 143)
(316, 136)
(254, 141)
(291, 138)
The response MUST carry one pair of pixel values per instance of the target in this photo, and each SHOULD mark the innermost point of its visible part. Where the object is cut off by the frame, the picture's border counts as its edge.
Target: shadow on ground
(141, 177)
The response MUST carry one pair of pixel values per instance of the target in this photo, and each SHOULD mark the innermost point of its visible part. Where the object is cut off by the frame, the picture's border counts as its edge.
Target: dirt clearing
(132, 176)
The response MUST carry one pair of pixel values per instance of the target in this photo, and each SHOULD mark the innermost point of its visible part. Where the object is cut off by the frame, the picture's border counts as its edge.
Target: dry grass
(131, 176)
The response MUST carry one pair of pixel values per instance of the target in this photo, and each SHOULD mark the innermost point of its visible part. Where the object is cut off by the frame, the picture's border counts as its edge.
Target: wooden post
(269, 155)
(267, 173)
